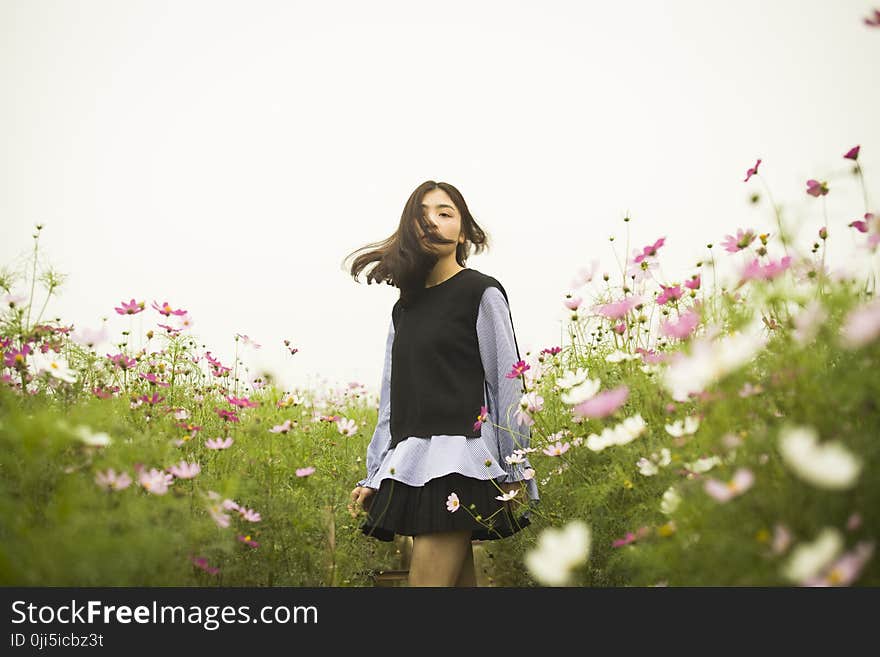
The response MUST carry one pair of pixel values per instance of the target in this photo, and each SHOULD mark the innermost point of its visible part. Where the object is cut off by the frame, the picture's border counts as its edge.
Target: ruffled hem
(415, 461)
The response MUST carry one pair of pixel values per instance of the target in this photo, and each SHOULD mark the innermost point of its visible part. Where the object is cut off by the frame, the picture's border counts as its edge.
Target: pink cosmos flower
(518, 369)
(754, 270)
(249, 514)
(875, 20)
(111, 481)
(305, 472)
(217, 443)
(167, 310)
(131, 308)
(155, 481)
(620, 328)
(693, 283)
(184, 470)
(861, 325)
(649, 251)
(651, 357)
(556, 450)
(482, 417)
(751, 172)
(742, 240)
(816, 188)
(573, 303)
(631, 537)
(683, 327)
(852, 153)
(452, 503)
(669, 293)
(618, 309)
(602, 404)
(243, 402)
(725, 491)
(846, 569)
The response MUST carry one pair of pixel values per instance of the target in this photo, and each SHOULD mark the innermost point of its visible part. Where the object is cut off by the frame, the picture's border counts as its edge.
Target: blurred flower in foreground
(861, 325)
(809, 559)
(53, 364)
(558, 552)
(725, 491)
(846, 569)
(671, 500)
(827, 465)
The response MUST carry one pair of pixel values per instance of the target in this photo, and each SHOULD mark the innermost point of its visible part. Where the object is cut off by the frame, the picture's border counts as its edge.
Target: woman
(442, 464)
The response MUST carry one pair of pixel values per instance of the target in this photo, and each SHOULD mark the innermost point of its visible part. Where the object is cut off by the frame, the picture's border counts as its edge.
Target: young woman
(440, 466)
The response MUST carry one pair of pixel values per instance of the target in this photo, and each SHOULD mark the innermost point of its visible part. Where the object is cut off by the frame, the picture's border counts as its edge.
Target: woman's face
(443, 218)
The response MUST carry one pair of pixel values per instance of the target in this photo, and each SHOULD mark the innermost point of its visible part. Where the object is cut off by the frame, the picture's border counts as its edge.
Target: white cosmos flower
(711, 359)
(618, 356)
(86, 435)
(52, 363)
(703, 465)
(647, 468)
(808, 559)
(558, 552)
(581, 392)
(671, 500)
(570, 378)
(679, 429)
(625, 432)
(827, 465)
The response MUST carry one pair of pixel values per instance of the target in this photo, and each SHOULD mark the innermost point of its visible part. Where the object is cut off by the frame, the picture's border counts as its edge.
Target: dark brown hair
(402, 261)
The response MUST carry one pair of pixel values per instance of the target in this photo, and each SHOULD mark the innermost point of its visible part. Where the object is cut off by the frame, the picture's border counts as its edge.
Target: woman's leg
(468, 575)
(437, 558)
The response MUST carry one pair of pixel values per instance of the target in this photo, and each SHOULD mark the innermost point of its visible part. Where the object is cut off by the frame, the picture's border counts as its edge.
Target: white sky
(226, 156)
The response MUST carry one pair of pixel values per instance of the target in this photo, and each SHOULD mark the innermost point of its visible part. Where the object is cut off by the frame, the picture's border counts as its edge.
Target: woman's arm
(498, 352)
(382, 435)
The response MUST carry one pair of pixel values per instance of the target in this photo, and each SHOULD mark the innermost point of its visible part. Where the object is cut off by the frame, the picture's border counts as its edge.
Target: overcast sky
(226, 156)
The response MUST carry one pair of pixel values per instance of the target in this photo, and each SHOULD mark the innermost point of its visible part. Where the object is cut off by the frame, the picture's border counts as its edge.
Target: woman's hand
(360, 498)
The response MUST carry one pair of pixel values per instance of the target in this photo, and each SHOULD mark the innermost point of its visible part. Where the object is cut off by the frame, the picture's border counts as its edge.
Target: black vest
(437, 376)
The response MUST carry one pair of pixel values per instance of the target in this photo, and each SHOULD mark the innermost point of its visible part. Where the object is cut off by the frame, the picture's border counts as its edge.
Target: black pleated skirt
(399, 508)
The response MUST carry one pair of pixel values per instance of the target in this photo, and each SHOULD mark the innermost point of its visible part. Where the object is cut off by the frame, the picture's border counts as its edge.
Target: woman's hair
(402, 260)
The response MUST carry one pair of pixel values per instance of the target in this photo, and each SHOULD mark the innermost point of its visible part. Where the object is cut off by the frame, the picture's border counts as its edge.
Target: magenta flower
(131, 308)
(683, 327)
(122, 362)
(725, 491)
(153, 399)
(618, 309)
(742, 240)
(669, 293)
(202, 563)
(518, 369)
(620, 328)
(482, 417)
(305, 472)
(861, 226)
(602, 404)
(229, 416)
(649, 251)
(217, 443)
(751, 172)
(247, 540)
(17, 358)
(243, 402)
(153, 379)
(693, 283)
(875, 20)
(167, 310)
(631, 537)
(650, 357)
(852, 153)
(816, 188)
